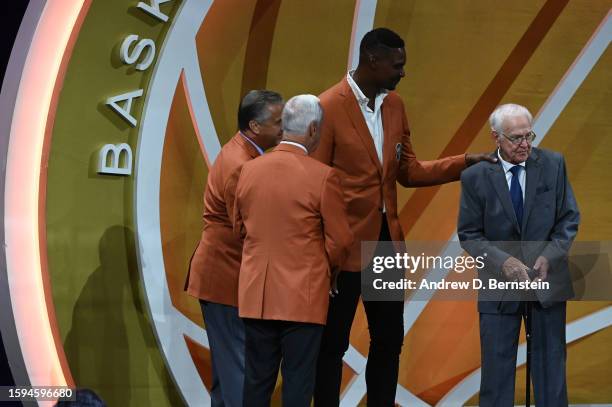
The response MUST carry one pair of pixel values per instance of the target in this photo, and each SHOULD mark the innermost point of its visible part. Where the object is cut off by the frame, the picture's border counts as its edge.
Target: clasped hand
(514, 270)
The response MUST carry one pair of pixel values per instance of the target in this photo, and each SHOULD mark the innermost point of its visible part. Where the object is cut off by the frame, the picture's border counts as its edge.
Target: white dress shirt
(295, 144)
(373, 118)
(522, 175)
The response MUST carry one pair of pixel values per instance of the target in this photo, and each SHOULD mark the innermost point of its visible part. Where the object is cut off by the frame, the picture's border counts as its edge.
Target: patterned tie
(516, 193)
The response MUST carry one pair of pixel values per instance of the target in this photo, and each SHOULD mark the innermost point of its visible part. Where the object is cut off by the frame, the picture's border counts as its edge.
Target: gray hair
(255, 106)
(502, 112)
(299, 112)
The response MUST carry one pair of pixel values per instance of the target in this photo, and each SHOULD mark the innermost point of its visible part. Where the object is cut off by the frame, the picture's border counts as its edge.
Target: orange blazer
(290, 211)
(214, 268)
(346, 145)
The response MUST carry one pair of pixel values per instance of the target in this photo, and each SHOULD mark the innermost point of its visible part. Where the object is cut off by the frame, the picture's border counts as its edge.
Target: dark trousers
(268, 343)
(499, 336)
(386, 326)
(225, 332)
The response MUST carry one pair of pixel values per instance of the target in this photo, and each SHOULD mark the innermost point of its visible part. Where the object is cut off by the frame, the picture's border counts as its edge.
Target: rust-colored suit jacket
(290, 211)
(346, 145)
(214, 268)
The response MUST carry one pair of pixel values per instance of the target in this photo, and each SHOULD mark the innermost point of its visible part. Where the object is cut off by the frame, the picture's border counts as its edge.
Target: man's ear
(254, 126)
(372, 60)
(313, 128)
(495, 137)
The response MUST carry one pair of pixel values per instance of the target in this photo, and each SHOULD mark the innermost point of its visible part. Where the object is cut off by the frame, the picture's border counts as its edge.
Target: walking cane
(532, 274)
(527, 317)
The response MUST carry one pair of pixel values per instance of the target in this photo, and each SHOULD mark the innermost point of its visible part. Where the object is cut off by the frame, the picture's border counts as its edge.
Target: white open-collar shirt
(373, 118)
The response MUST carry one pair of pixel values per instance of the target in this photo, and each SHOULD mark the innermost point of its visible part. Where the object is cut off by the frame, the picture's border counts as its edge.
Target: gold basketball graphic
(119, 108)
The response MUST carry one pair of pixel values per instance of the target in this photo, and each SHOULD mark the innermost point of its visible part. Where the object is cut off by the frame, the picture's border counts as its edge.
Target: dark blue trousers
(292, 346)
(225, 332)
(499, 336)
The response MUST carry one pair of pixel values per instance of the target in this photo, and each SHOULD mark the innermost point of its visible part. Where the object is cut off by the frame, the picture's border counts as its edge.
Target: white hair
(299, 112)
(502, 112)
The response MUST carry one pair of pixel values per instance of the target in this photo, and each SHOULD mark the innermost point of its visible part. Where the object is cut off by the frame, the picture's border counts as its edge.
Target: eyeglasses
(529, 137)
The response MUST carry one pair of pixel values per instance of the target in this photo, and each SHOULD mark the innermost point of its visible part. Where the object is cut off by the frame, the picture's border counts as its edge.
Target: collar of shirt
(507, 165)
(259, 150)
(363, 99)
(295, 144)
(522, 179)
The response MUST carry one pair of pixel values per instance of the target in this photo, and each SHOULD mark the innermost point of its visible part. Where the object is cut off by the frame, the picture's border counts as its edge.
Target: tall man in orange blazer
(290, 210)
(366, 138)
(213, 273)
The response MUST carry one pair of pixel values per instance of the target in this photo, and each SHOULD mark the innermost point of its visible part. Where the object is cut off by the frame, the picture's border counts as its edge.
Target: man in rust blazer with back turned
(290, 210)
(365, 137)
(213, 272)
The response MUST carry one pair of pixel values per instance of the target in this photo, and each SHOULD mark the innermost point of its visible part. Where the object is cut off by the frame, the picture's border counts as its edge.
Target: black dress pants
(386, 326)
(292, 345)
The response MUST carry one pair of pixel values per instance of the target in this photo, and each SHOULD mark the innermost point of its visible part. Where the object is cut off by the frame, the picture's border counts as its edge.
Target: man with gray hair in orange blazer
(213, 272)
(290, 211)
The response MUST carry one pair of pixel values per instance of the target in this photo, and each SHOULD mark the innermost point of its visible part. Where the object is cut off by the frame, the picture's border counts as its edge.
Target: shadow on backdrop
(104, 347)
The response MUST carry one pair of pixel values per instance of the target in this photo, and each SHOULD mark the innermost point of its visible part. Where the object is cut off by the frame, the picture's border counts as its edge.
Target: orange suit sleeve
(229, 192)
(338, 235)
(236, 216)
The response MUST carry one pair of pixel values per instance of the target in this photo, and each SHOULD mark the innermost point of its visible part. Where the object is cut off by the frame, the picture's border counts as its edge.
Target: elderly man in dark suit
(522, 215)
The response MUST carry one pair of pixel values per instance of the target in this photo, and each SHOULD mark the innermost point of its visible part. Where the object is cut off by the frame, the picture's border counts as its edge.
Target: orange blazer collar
(251, 150)
(289, 149)
(345, 88)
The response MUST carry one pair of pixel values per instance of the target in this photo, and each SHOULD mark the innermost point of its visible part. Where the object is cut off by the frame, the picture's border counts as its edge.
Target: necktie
(516, 193)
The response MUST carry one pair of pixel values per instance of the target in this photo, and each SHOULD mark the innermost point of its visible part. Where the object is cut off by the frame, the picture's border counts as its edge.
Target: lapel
(498, 180)
(245, 145)
(533, 169)
(388, 147)
(354, 113)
